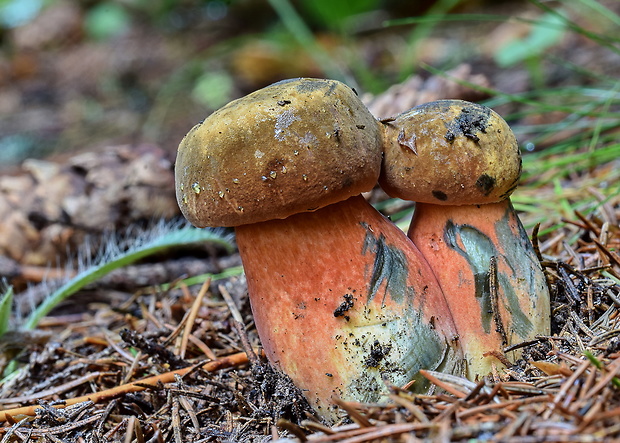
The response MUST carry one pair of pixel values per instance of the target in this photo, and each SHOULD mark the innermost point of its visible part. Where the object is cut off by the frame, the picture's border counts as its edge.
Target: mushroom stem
(491, 277)
(460, 162)
(342, 300)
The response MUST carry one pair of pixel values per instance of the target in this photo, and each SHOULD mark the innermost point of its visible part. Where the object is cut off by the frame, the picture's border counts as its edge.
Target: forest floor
(90, 133)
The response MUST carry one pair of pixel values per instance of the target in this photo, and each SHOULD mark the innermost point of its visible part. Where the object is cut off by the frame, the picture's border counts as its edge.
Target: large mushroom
(341, 297)
(460, 162)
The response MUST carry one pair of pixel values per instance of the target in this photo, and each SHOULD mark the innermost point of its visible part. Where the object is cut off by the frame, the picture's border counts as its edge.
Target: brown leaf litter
(170, 367)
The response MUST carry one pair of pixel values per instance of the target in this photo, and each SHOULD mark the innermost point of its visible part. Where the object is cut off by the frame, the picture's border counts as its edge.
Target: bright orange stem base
(341, 298)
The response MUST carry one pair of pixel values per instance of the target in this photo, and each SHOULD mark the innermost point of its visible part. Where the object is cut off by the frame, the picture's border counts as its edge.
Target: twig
(139, 385)
(354, 414)
(535, 243)
(239, 326)
(457, 386)
(56, 390)
(193, 313)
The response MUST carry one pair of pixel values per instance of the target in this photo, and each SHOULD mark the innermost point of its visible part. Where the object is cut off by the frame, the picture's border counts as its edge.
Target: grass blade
(175, 237)
(6, 303)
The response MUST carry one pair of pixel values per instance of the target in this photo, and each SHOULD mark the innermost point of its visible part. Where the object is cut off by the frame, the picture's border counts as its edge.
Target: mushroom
(460, 162)
(341, 297)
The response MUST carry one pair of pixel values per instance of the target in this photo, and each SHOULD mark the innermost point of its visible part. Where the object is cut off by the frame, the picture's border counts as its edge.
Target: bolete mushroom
(341, 297)
(460, 162)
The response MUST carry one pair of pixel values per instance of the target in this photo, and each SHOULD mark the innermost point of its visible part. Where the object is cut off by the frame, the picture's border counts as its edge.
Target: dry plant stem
(49, 432)
(56, 390)
(347, 289)
(131, 426)
(192, 317)
(238, 326)
(490, 275)
(139, 385)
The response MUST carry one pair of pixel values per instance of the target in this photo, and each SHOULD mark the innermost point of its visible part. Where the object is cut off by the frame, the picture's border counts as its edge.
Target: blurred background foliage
(78, 75)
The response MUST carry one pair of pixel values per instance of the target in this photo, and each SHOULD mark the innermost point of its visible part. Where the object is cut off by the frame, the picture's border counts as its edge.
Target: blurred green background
(80, 75)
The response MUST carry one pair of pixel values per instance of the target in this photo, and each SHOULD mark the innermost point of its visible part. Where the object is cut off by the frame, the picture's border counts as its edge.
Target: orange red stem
(342, 298)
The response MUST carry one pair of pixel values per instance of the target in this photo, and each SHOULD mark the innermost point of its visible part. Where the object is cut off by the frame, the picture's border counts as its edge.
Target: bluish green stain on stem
(390, 266)
(521, 259)
(478, 249)
(413, 342)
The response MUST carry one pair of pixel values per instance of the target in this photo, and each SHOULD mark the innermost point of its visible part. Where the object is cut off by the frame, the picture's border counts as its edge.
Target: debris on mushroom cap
(294, 146)
(450, 152)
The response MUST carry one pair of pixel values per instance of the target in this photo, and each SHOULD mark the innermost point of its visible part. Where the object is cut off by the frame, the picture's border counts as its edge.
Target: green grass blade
(176, 237)
(6, 304)
(199, 279)
(447, 18)
(304, 36)
(596, 362)
(531, 98)
(599, 124)
(602, 39)
(602, 10)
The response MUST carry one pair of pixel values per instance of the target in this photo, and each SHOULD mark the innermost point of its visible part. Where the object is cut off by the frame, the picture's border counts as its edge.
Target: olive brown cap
(450, 152)
(295, 146)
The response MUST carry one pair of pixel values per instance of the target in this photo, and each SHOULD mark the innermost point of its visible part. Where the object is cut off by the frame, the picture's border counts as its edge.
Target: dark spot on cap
(485, 183)
(473, 119)
(440, 196)
(284, 102)
(347, 182)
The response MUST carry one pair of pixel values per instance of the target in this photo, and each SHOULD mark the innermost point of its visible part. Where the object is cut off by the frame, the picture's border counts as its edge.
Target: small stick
(193, 313)
(292, 428)
(590, 226)
(521, 344)
(354, 414)
(614, 370)
(239, 326)
(56, 390)
(506, 404)
(609, 254)
(139, 385)
(430, 376)
(231, 304)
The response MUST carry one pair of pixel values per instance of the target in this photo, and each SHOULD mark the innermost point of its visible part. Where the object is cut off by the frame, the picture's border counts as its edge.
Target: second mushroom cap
(470, 155)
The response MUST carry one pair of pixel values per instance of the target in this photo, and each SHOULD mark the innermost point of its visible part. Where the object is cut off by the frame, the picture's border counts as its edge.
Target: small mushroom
(460, 162)
(341, 297)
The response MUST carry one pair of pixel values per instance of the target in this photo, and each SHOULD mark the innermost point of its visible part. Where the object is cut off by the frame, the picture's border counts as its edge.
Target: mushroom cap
(450, 152)
(294, 146)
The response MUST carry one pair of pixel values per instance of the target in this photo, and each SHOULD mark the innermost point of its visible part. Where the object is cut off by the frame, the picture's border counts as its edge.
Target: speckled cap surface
(450, 152)
(295, 146)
